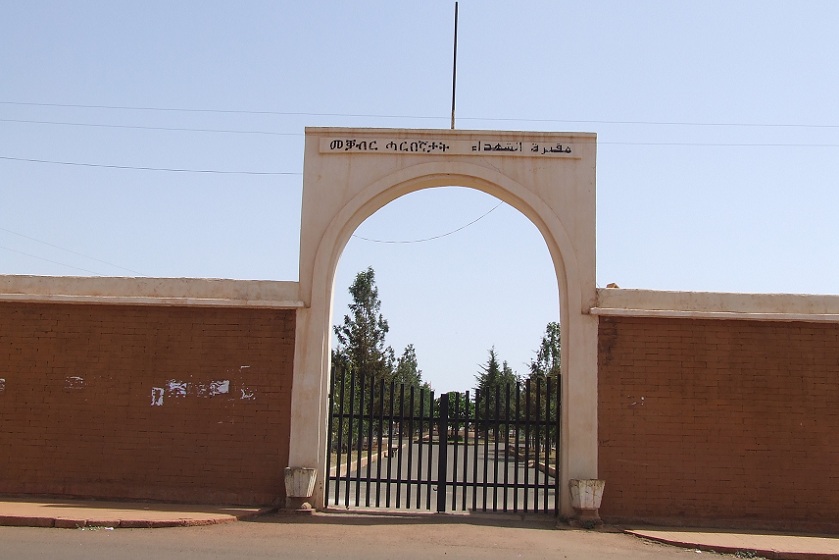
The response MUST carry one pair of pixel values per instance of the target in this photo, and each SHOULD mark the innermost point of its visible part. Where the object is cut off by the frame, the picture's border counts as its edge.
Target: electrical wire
(440, 117)
(289, 113)
(223, 111)
(297, 173)
(719, 144)
(50, 260)
(173, 129)
(143, 168)
(71, 251)
(461, 228)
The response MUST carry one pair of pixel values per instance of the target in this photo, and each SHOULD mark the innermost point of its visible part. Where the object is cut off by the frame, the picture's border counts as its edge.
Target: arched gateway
(549, 177)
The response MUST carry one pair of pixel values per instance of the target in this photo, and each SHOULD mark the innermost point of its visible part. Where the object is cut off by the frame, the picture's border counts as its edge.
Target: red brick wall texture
(182, 404)
(719, 422)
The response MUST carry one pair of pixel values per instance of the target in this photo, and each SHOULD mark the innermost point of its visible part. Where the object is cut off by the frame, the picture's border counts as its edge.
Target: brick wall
(165, 403)
(719, 422)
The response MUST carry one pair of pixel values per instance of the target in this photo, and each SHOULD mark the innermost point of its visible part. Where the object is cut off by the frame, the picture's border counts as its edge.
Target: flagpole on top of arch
(454, 63)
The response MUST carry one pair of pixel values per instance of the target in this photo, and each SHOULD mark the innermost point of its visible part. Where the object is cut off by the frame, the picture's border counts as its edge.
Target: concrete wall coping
(201, 292)
(716, 305)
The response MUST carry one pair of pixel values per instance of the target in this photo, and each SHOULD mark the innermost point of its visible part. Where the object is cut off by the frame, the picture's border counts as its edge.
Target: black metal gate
(396, 446)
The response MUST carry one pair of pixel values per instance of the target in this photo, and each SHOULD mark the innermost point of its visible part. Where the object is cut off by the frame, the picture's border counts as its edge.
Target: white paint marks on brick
(176, 388)
(157, 396)
(213, 388)
(248, 394)
(219, 387)
(73, 383)
(2, 385)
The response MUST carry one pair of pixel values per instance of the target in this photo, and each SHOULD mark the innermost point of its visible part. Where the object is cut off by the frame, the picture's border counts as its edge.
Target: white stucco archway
(351, 173)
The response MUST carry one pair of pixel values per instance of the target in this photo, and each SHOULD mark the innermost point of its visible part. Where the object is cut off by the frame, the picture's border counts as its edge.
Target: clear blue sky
(718, 156)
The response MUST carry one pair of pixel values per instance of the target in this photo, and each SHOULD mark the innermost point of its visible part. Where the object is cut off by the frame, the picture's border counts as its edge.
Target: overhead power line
(166, 128)
(298, 173)
(720, 144)
(223, 111)
(461, 228)
(300, 134)
(69, 251)
(50, 260)
(435, 117)
(143, 168)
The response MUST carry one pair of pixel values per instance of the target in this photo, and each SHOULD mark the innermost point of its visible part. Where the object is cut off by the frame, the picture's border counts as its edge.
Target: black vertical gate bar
(478, 396)
(399, 444)
(516, 450)
(349, 440)
(537, 444)
(548, 440)
(430, 447)
(506, 445)
(371, 406)
(329, 429)
(557, 424)
(340, 448)
(496, 423)
(420, 445)
(456, 432)
(486, 451)
(381, 423)
(389, 443)
(359, 442)
(411, 416)
(466, 420)
(442, 452)
(526, 441)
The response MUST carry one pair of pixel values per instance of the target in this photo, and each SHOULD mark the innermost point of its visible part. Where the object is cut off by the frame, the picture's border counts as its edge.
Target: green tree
(549, 355)
(546, 366)
(407, 369)
(407, 372)
(361, 336)
(494, 377)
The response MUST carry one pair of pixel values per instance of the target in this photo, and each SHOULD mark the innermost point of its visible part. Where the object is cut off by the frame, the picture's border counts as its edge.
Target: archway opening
(466, 282)
(454, 288)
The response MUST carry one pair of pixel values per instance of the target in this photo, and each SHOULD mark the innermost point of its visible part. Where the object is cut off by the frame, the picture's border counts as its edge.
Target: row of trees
(367, 371)
(495, 376)
(361, 347)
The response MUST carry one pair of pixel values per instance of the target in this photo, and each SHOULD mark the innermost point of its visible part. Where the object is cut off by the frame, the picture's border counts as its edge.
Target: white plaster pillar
(578, 456)
(309, 402)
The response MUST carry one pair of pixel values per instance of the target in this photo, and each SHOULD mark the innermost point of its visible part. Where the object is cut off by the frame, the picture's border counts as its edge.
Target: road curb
(768, 553)
(105, 522)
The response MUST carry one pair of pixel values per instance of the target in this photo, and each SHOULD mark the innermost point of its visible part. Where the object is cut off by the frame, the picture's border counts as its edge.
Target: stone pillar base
(586, 495)
(299, 485)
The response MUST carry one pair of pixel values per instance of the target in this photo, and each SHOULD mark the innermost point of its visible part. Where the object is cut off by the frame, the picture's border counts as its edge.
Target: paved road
(344, 537)
(419, 462)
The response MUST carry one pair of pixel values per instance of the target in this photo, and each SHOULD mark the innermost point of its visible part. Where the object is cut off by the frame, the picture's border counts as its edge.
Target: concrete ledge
(207, 292)
(712, 305)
